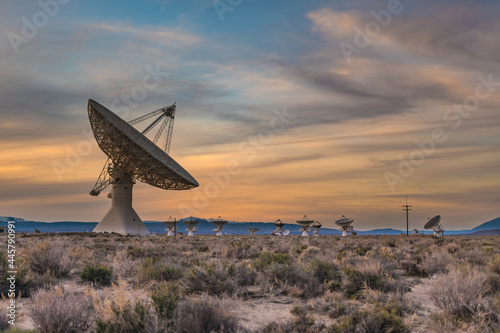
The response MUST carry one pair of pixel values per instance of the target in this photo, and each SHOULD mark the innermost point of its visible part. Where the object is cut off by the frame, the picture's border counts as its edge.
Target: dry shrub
(460, 292)
(301, 279)
(436, 262)
(153, 269)
(98, 274)
(54, 311)
(212, 278)
(494, 264)
(204, 316)
(265, 259)
(452, 247)
(119, 311)
(4, 320)
(378, 319)
(309, 253)
(50, 257)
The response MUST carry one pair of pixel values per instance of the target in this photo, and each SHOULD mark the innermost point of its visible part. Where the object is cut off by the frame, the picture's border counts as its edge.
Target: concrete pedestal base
(121, 217)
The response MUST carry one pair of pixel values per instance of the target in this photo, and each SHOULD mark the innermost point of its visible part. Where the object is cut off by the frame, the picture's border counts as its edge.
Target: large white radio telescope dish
(132, 156)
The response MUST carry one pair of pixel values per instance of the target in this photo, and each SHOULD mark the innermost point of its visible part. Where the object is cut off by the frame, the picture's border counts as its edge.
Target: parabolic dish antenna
(171, 226)
(279, 229)
(305, 223)
(132, 156)
(191, 224)
(219, 225)
(435, 224)
(316, 225)
(345, 226)
(344, 221)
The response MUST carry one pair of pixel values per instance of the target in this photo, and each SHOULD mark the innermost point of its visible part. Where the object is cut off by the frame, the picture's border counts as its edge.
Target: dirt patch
(423, 304)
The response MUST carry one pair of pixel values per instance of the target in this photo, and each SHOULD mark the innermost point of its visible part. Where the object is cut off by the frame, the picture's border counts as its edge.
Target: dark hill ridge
(493, 232)
(490, 225)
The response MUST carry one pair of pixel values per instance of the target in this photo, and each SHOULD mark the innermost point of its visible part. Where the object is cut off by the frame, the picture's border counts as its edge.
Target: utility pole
(407, 208)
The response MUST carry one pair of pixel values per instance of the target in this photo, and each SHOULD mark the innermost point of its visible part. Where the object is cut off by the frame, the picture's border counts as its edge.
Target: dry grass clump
(57, 311)
(365, 275)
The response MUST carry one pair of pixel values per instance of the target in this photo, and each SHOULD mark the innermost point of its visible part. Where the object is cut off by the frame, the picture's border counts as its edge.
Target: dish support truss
(112, 169)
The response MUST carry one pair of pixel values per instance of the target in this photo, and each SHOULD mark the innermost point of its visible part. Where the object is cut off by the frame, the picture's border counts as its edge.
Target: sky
(284, 108)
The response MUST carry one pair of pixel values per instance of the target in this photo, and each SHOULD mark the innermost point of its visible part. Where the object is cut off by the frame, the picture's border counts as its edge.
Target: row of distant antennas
(306, 224)
(192, 225)
(165, 119)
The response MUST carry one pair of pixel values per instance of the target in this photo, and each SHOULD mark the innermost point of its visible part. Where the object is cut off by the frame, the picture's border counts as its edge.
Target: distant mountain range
(486, 229)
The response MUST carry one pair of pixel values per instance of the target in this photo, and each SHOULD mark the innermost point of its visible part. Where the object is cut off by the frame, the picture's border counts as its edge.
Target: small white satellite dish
(285, 233)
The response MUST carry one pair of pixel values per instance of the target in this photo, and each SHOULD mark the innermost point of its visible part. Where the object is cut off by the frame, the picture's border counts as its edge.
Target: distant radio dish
(346, 227)
(253, 230)
(171, 226)
(219, 225)
(435, 224)
(132, 156)
(344, 221)
(191, 224)
(279, 229)
(316, 225)
(305, 223)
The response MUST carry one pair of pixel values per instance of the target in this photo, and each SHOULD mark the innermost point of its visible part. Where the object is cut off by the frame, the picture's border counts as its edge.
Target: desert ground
(112, 283)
